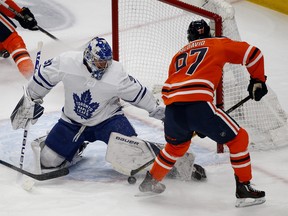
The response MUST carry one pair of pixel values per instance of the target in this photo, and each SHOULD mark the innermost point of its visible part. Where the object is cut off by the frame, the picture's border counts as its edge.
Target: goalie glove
(26, 110)
(158, 113)
(257, 89)
(28, 20)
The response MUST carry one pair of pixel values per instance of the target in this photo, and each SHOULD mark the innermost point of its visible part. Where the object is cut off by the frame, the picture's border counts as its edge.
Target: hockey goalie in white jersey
(94, 84)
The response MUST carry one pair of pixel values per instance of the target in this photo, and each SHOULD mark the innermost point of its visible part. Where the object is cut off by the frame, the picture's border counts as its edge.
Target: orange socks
(17, 49)
(239, 156)
(166, 159)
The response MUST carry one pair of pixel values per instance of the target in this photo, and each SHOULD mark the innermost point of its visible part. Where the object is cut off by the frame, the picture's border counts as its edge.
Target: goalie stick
(25, 134)
(132, 179)
(39, 177)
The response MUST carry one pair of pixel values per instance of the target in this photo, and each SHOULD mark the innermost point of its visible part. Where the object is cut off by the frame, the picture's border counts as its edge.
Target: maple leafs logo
(83, 106)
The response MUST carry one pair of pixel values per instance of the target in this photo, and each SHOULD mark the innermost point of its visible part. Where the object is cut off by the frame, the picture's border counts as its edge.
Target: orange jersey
(196, 70)
(6, 11)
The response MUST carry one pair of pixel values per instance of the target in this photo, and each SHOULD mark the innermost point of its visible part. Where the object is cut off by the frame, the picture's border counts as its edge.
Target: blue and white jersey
(89, 101)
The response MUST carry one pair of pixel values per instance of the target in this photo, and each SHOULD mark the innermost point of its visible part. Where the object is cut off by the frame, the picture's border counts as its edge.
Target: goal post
(146, 34)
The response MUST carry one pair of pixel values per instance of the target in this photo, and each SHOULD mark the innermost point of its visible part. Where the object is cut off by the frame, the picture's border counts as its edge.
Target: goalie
(93, 85)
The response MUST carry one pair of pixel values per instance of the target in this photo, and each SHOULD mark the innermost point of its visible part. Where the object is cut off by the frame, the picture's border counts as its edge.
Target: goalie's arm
(133, 92)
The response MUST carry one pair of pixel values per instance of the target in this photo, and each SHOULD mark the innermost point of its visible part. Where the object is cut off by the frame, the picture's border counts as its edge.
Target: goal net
(148, 33)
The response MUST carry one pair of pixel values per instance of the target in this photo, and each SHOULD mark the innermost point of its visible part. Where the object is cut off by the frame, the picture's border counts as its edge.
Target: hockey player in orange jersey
(11, 42)
(194, 74)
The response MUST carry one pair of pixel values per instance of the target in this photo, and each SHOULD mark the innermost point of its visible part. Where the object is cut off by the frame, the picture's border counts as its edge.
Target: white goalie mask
(97, 57)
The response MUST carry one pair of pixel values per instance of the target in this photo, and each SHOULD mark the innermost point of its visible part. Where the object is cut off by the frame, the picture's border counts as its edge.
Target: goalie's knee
(49, 158)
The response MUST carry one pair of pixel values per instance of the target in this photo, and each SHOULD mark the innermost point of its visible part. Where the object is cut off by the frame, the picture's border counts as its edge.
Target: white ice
(93, 187)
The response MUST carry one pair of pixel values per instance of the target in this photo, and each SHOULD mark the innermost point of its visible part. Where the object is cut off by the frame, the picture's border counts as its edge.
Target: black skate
(247, 195)
(4, 53)
(149, 184)
(198, 173)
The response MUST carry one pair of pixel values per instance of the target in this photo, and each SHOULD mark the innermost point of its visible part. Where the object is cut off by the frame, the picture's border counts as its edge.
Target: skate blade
(245, 202)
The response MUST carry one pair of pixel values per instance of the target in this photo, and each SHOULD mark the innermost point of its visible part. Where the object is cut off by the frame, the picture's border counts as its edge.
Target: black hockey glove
(28, 21)
(257, 89)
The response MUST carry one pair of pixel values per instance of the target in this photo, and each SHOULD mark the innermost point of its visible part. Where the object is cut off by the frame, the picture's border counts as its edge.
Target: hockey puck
(132, 180)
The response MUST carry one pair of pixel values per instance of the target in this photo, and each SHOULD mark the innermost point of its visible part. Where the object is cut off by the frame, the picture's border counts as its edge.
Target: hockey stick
(24, 140)
(238, 104)
(135, 171)
(25, 134)
(39, 177)
(22, 17)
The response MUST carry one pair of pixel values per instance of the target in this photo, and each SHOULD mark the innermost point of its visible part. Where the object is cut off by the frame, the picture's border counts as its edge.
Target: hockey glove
(158, 113)
(26, 110)
(28, 21)
(257, 89)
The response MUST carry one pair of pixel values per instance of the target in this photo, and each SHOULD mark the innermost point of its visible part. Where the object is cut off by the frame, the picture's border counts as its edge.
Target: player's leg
(224, 130)
(178, 138)
(15, 45)
(6, 28)
(60, 147)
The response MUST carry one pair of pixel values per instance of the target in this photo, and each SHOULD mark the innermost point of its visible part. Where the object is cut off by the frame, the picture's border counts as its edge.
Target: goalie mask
(197, 30)
(97, 57)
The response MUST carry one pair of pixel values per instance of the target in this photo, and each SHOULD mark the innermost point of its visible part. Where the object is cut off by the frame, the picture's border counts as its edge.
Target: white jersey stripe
(246, 55)
(255, 61)
(188, 82)
(189, 92)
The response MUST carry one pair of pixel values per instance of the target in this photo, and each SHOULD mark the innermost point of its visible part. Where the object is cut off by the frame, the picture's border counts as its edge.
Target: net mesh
(151, 32)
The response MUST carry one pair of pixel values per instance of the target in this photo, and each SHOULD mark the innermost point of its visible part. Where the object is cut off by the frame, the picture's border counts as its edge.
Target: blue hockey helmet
(97, 57)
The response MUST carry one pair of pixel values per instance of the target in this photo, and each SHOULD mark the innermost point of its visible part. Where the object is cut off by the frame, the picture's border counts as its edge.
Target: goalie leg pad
(50, 159)
(128, 153)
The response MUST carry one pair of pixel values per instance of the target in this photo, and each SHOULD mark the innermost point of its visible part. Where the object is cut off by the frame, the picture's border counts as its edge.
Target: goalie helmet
(197, 30)
(97, 57)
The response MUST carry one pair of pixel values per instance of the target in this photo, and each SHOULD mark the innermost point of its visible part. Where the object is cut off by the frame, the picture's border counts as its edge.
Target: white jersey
(89, 101)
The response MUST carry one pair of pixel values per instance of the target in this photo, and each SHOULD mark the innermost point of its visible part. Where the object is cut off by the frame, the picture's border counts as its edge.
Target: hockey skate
(198, 173)
(149, 184)
(4, 53)
(247, 195)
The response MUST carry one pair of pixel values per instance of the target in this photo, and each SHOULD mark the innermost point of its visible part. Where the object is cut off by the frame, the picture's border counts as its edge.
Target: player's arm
(45, 78)
(133, 92)
(29, 107)
(251, 57)
(23, 15)
(11, 4)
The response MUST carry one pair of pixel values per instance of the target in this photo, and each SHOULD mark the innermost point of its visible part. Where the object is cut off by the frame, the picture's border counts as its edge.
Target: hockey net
(147, 34)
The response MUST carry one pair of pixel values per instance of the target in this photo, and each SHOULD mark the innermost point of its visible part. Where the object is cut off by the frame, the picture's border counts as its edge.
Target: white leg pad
(127, 153)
